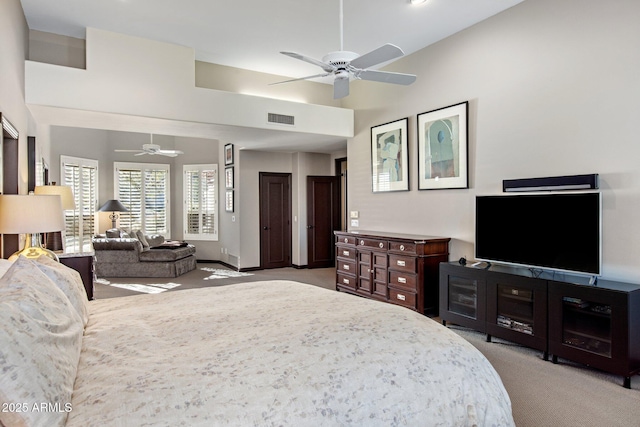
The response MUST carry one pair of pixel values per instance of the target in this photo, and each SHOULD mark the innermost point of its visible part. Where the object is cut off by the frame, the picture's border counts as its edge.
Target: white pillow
(70, 283)
(40, 341)
(4, 265)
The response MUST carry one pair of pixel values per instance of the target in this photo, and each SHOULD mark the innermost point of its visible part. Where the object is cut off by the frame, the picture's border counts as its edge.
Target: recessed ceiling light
(417, 1)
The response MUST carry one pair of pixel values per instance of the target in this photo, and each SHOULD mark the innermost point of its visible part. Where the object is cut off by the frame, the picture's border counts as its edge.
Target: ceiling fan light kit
(344, 64)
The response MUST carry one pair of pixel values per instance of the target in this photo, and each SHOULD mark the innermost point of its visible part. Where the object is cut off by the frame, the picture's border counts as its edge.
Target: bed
(250, 354)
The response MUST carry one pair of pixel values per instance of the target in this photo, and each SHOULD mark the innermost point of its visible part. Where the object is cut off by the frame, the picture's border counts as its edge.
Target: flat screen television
(555, 231)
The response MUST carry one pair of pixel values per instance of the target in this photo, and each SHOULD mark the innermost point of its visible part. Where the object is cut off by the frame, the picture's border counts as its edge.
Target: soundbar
(553, 183)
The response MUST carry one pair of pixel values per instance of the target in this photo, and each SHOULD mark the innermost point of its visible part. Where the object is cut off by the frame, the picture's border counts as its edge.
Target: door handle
(265, 228)
(309, 227)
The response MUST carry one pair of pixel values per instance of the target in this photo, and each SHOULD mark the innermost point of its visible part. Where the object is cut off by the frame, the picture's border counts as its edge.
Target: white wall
(553, 90)
(13, 51)
(133, 76)
(299, 165)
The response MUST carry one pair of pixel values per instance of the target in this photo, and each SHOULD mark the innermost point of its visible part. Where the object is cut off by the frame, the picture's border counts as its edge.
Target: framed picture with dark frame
(228, 201)
(443, 145)
(228, 177)
(390, 157)
(228, 154)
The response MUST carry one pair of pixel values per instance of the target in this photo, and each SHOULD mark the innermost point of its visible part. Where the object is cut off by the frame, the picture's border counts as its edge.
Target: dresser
(397, 268)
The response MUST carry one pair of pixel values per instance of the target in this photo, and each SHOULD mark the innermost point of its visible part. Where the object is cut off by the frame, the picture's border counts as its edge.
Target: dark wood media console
(598, 326)
(391, 267)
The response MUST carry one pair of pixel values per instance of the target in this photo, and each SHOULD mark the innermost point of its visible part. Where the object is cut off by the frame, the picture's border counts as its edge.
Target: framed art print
(390, 157)
(228, 203)
(443, 148)
(228, 177)
(228, 154)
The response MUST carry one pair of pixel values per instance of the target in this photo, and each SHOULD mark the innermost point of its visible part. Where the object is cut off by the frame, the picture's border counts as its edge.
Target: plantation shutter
(80, 225)
(144, 190)
(201, 202)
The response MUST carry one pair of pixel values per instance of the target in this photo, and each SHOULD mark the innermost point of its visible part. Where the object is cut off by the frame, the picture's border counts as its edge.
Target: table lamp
(113, 206)
(55, 241)
(31, 215)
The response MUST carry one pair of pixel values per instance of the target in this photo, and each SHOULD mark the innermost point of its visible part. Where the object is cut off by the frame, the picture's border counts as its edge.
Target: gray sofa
(127, 257)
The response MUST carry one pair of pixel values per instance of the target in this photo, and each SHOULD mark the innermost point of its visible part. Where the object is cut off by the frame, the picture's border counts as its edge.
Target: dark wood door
(323, 218)
(275, 220)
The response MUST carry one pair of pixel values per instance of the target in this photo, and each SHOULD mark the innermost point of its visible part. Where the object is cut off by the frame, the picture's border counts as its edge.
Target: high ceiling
(250, 34)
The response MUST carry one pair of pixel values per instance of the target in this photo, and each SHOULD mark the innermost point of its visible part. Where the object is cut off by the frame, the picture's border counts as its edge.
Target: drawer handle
(401, 263)
(402, 297)
(402, 280)
(362, 242)
(345, 281)
(345, 267)
(381, 245)
(402, 247)
(345, 253)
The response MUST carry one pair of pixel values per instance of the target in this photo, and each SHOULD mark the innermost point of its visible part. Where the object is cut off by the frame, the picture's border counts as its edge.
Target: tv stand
(598, 326)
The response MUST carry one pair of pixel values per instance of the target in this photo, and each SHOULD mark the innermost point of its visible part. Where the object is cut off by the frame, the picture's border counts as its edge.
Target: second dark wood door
(323, 218)
(275, 220)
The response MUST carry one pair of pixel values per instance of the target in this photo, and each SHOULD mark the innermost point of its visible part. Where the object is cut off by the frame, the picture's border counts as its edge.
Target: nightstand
(82, 262)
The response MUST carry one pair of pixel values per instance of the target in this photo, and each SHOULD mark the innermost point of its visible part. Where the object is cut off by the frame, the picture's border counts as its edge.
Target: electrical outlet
(355, 223)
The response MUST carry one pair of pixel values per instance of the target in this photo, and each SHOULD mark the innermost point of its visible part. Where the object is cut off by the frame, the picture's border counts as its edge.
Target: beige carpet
(542, 394)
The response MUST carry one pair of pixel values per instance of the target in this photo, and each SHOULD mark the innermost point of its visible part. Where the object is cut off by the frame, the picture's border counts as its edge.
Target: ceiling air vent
(281, 119)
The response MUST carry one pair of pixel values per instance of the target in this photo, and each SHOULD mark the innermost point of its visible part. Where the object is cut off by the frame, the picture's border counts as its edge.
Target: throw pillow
(68, 281)
(155, 240)
(143, 240)
(41, 337)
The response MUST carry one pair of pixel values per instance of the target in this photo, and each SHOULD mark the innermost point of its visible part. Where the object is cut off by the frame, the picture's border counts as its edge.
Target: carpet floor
(542, 394)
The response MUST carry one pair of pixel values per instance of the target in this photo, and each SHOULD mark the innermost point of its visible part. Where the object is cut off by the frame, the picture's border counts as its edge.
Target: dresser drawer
(402, 263)
(405, 298)
(344, 266)
(346, 281)
(403, 280)
(403, 247)
(346, 240)
(381, 245)
(345, 252)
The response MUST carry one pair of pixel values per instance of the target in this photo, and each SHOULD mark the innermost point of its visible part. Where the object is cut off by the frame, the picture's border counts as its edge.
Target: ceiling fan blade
(142, 153)
(340, 87)
(301, 78)
(169, 152)
(127, 151)
(326, 67)
(382, 54)
(386, 77)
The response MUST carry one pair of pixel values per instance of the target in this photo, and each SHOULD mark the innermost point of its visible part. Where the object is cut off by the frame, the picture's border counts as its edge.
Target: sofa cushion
(141, 237)
(163, 255)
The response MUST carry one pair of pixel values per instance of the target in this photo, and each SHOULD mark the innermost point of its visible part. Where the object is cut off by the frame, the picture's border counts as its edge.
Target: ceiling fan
(151, 149)
(344, 64)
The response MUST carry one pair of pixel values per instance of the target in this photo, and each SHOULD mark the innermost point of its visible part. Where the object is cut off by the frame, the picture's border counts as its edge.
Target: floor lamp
(56, 241)
(31, 215)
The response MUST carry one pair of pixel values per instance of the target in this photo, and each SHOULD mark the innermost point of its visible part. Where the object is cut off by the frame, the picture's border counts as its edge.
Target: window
(201, 202)
(80, 224)
(144, 189)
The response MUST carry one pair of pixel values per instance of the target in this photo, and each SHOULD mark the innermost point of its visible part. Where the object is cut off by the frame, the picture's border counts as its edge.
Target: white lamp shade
(64, 191)
(21, 214)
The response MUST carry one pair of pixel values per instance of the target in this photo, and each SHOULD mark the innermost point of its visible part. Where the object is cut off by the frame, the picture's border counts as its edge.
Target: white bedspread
(277, 353)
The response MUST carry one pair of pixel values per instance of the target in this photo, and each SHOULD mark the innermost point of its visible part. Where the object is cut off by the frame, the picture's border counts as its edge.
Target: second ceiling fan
(344, 64)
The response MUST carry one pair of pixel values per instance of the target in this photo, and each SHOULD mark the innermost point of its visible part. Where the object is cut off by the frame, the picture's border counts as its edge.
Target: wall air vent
(281, 119)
